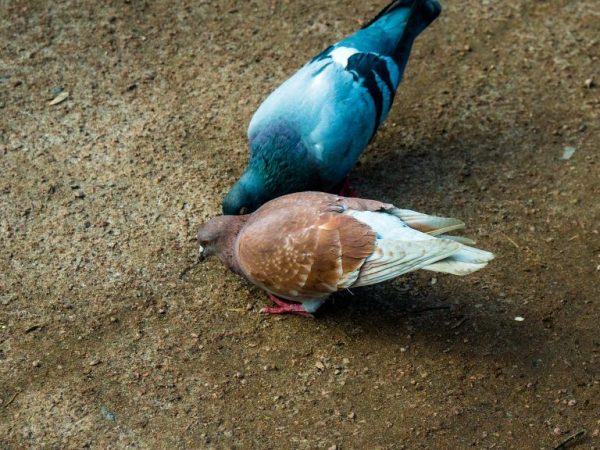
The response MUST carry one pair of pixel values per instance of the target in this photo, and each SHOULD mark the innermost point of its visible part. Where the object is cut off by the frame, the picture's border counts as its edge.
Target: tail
(405, 19)
(408, 241)
(426, 10)
(465, 261)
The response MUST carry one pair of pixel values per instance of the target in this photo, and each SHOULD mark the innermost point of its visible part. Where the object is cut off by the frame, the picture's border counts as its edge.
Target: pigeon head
(246, 196)
(217, 238)
(212, 236)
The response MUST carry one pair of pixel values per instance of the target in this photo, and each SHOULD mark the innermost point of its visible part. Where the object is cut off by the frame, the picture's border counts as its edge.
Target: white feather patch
(341, 54)
(388, 226)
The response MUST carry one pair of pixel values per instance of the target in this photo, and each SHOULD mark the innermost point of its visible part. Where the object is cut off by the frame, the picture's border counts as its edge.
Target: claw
(285, 307)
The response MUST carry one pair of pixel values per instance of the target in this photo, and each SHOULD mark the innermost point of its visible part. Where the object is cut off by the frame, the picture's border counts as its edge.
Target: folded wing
(303, 251)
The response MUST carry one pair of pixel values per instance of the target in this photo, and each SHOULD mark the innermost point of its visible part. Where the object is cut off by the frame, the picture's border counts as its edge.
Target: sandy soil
(111, 337)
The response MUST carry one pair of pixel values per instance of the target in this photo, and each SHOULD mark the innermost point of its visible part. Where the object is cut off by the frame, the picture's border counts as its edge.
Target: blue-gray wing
(336, 102)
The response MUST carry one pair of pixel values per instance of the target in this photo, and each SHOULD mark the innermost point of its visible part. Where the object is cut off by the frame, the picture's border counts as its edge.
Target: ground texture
(111, 336)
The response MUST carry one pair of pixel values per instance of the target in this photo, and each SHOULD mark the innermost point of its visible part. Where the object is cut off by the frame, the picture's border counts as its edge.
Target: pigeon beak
(201, 255)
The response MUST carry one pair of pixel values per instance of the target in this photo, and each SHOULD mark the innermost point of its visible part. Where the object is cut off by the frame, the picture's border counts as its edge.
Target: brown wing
(321, 201)
(301, 247)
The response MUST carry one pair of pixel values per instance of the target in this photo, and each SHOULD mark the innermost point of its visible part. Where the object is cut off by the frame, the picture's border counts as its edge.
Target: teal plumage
(309, 133)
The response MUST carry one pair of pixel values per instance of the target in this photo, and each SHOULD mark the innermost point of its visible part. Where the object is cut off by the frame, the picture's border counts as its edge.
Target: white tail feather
(467, 260)
(460, 239)
(432, 225)
(395, 258)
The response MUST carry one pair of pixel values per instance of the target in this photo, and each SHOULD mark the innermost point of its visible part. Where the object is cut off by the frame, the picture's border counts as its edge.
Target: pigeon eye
(244, 210)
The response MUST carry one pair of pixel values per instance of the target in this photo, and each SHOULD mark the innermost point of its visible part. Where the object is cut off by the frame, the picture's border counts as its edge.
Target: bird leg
(285, 307)
(346, 190)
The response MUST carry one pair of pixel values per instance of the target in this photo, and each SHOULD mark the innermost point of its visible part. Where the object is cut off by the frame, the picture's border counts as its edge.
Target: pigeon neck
(227, 251)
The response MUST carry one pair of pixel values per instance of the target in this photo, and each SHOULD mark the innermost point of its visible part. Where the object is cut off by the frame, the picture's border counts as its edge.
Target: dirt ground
(111, 336)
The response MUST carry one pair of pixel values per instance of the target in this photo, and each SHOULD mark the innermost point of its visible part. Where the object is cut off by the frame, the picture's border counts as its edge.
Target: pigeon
(309, 133)
(302, 247)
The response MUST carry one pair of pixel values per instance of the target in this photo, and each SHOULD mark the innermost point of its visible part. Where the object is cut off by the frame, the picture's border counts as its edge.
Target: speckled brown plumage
(304, 249)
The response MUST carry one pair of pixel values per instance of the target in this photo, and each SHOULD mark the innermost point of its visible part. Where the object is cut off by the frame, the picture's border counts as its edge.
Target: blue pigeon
(309, 133)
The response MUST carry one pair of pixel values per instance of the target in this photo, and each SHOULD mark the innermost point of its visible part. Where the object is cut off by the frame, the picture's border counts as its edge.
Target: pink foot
(285, 307)
(346, 190)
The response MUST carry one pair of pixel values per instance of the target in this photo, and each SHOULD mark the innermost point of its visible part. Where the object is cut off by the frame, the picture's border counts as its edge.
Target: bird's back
(336, 102)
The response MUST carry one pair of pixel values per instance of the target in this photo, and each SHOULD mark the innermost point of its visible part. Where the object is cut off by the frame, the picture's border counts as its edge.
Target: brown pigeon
(303, 247)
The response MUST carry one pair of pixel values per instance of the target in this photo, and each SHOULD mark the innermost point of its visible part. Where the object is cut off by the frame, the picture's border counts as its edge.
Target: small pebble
(37, 363)
(107, 414)
(519, 319)
(589, 83)
(568, 152)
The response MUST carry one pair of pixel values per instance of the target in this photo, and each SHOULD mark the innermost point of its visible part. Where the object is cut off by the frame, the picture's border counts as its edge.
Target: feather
(463, 262)
(394, 258)
(460, 239)
(427, 224)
